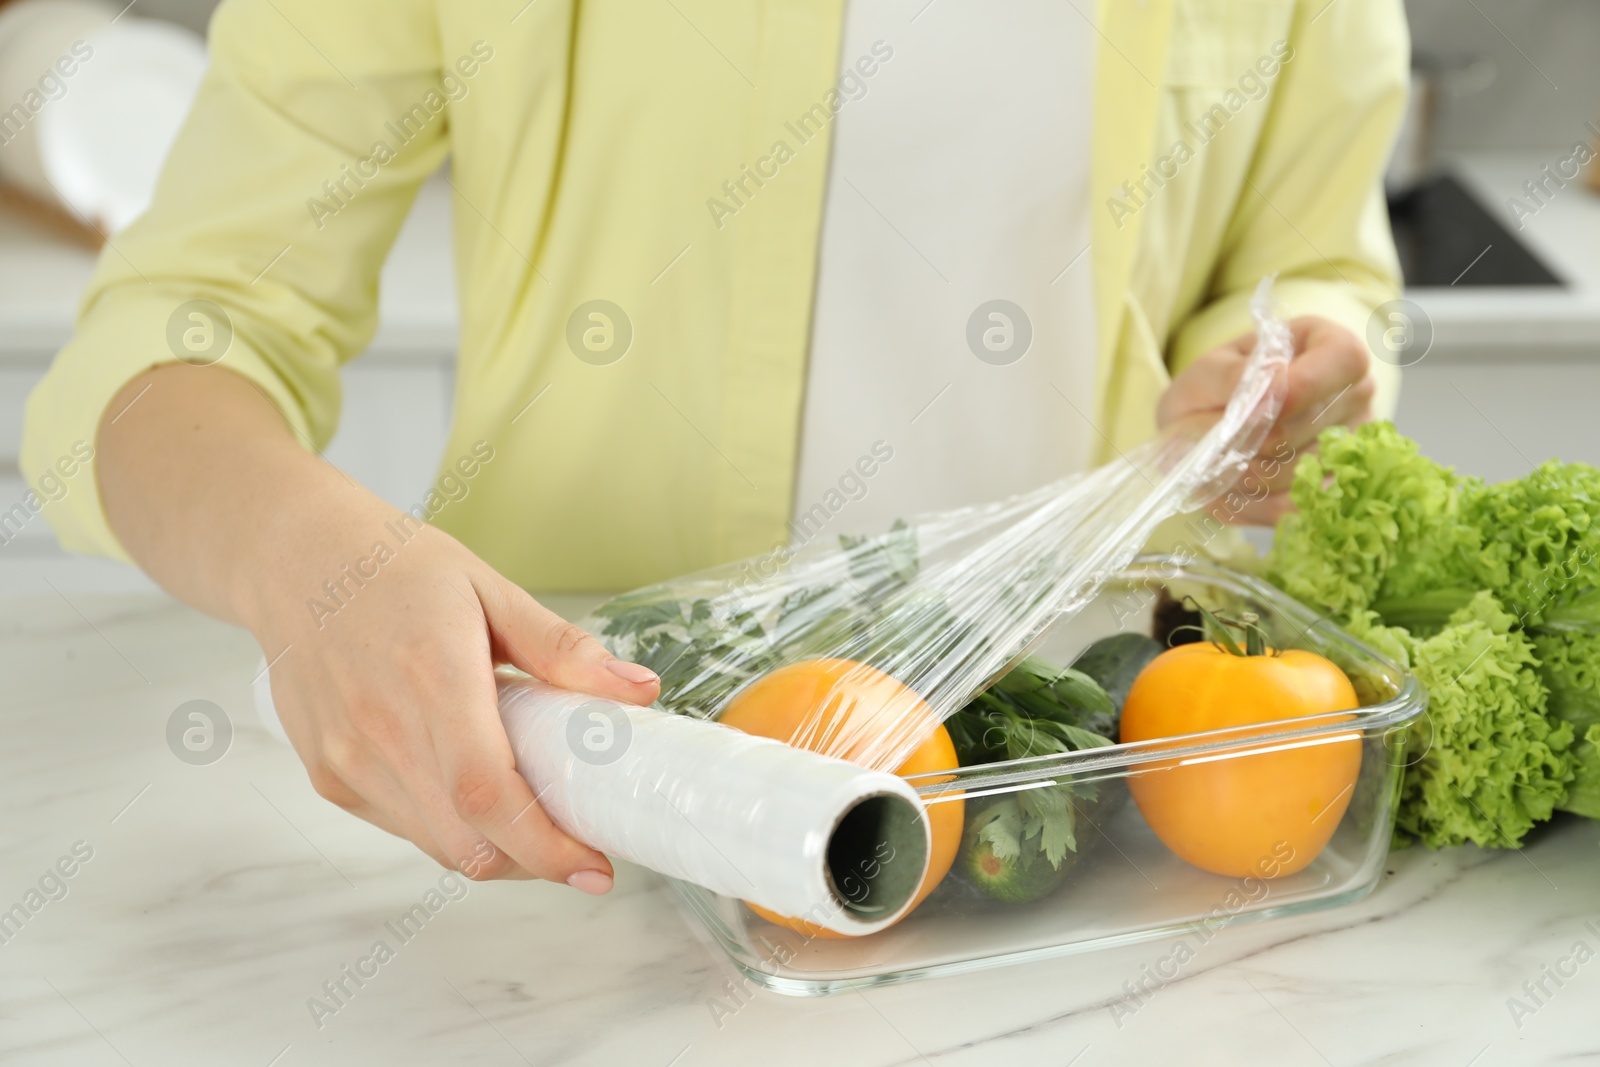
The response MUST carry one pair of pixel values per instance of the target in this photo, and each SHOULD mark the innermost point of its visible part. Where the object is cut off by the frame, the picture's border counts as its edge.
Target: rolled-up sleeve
(1312, 210)
(276, 207)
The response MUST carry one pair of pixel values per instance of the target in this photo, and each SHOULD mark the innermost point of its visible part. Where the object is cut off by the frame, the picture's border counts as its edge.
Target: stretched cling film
(943, 602)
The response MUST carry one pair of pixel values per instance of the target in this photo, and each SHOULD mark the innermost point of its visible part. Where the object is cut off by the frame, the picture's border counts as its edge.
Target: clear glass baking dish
(1127, 886)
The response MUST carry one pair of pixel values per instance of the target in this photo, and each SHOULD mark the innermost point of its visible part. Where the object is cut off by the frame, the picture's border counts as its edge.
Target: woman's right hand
(384, 684)
(386, 690)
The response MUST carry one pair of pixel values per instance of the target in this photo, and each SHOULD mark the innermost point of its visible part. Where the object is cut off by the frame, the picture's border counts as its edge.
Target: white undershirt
(961, 176)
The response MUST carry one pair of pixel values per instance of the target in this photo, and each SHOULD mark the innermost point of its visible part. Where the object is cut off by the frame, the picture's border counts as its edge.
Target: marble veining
(220, 898)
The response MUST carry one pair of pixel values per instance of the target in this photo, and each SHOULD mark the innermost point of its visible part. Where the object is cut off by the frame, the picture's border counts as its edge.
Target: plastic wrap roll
(800, 834)
(803, 835)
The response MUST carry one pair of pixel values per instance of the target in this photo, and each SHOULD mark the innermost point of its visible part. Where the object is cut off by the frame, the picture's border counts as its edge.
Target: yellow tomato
(1268, 813)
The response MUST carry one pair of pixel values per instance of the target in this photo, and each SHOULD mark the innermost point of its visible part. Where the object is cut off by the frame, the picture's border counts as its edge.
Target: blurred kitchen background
(1499, 236)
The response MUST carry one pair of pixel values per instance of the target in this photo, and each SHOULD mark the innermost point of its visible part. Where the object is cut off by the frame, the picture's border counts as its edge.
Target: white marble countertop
(219, 898)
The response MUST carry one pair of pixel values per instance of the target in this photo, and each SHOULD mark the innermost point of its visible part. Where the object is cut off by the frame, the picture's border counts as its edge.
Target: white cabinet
(397, 396)
(394, 427)
(391, 436)
(1500, 419)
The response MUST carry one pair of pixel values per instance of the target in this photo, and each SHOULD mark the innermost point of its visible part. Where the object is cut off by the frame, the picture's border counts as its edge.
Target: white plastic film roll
(803, 835)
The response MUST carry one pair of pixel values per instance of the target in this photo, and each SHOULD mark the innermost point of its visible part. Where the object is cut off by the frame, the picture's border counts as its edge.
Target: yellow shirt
(670, 158)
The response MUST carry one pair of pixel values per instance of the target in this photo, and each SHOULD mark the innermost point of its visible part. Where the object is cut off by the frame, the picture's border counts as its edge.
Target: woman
(711, 256)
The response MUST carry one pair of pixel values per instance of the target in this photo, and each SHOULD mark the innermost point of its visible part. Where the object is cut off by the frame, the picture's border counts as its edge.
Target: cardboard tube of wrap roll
(800, 834)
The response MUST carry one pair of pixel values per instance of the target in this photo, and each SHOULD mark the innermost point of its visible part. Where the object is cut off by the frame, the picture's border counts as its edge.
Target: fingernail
(595, 883)
(636, 673)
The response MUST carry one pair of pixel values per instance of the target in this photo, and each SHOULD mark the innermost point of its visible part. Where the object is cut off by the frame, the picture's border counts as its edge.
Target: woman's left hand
(1330, 384)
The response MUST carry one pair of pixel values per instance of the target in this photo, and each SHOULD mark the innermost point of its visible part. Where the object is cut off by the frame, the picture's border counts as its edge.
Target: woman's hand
(1330, 384)
(384, 680)
(385, 686)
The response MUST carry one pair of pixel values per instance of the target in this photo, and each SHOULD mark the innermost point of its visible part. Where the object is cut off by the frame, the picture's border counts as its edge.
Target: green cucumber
(1024, 873)
(1016, 880)
(1019, 871)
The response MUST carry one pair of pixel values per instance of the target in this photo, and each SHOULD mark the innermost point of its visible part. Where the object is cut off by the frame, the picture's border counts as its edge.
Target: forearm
(203, 483)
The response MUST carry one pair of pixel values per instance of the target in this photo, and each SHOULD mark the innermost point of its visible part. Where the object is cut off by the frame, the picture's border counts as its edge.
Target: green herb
(707, 647)
(688, 645)
(1018, 846)
(1035, 709)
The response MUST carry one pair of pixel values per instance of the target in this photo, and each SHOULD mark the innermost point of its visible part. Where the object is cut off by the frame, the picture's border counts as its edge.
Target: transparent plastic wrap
(943, 604)
(854, 653)
(1129, 887)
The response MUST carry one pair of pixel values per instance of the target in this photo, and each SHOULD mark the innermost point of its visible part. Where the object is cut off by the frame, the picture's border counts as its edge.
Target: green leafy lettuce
(1485, 763)
(1541, 542)
(1571, 671)
(1374, 519)
(1488, 594)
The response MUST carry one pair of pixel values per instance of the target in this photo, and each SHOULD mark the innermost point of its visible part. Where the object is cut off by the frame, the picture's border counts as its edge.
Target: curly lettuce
(1485, 763)
(1541, 542)
(1570, 666)
(1374, 519)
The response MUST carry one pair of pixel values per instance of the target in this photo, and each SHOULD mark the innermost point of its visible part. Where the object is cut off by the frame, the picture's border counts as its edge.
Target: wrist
(294, 544)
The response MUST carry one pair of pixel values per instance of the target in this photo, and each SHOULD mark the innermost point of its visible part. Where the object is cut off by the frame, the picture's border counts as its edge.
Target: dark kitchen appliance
(1446, 237)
